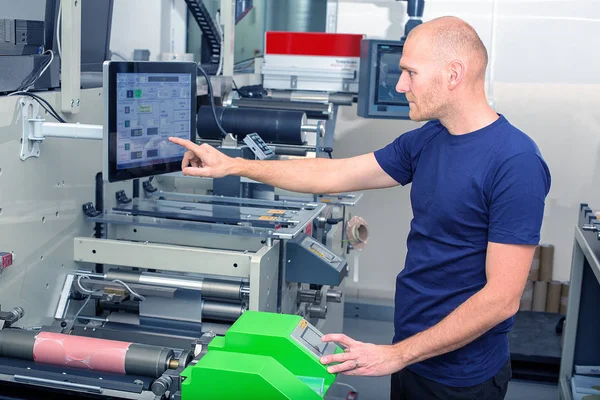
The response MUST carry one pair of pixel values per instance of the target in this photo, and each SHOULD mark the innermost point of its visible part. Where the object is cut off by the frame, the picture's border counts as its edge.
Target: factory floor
(370, 388)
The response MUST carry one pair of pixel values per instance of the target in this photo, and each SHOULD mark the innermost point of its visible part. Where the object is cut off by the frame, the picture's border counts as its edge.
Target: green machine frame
(262, 356)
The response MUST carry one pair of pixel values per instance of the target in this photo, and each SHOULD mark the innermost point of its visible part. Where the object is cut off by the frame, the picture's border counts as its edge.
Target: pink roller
(80, 352)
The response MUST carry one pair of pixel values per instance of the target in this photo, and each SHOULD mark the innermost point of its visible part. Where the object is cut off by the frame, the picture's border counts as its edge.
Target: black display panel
(146, 103)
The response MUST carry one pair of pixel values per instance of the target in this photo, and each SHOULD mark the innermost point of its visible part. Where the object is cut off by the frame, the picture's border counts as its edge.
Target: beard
(427, 107)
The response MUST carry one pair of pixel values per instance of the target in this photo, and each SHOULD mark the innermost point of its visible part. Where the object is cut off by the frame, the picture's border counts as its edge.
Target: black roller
(147, 360)
(274, 126)
(312, 110)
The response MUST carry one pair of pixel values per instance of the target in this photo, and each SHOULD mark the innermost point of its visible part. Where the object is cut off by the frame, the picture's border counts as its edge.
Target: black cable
(41, 101)
(212, 99)
(35, 75)
(54, 113)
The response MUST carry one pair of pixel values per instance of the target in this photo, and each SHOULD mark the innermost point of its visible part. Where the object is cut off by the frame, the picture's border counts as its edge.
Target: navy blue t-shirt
(467, 190)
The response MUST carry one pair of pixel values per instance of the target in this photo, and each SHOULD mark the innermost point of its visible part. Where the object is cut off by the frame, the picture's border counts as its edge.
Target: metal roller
(85, 353)
(211, 288)
(344, 99)
(17, 343)
(277, 126)
(312, 110)
(147, 360)
(221, 289)
(222, 311)
(212, 310)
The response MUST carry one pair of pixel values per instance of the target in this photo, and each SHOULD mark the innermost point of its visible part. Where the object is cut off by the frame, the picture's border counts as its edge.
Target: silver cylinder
(316, 97)
(221, 289)
(125, 276)
(222, 311)
(319, 129)
(334, 296)
(213, 288)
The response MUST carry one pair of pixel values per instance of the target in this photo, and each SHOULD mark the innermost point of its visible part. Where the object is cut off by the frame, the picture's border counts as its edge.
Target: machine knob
(18, 312)
(317, 311)
(334, 296)
(12, 316)
(161, 385)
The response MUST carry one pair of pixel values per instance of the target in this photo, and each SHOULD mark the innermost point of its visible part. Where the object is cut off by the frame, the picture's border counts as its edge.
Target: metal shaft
(313, 110)
(212, 310)
(298, 96)
(211, 288)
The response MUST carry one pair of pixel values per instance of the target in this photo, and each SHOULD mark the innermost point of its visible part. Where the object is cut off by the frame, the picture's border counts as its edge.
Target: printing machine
(117, 281)
(121, 278)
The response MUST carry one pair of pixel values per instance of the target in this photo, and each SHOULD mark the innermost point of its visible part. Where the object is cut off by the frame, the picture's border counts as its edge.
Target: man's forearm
(473, 318)
(305, 176)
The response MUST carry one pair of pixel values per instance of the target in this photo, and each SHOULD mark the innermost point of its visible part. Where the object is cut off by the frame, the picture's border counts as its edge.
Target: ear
(456, 74)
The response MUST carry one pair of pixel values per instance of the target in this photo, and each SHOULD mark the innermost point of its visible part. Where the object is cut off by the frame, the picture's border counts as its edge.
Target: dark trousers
(407, 385)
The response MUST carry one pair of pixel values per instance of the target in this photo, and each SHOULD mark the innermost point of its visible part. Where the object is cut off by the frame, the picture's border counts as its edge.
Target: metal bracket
(346, 85)
(36, 129)
(29, 112)
(122, 198)
(148, 188)
(229, 142)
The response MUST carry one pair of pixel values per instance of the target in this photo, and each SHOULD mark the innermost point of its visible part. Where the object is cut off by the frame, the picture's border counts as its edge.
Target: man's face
(421, 80)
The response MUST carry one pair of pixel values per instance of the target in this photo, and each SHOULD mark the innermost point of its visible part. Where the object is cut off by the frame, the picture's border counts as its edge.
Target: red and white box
(311, 61)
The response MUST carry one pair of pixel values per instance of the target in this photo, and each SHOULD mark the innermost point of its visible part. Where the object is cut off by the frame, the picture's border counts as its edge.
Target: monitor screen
(147, 103)
(379, 74)
(388, 73)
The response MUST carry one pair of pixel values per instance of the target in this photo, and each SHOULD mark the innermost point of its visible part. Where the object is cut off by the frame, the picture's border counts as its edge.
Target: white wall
(546, 82)
(250, 33)
(155, 25)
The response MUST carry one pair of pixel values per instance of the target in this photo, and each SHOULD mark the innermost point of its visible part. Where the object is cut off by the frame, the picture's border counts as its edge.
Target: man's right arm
(317, 175)
(313, 175)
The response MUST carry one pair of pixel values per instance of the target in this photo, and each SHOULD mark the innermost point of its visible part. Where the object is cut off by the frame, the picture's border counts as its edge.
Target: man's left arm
(507, 267)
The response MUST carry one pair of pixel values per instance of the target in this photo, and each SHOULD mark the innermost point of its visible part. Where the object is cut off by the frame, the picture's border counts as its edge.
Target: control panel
(258, 146)
(309, 337)
(311, 262)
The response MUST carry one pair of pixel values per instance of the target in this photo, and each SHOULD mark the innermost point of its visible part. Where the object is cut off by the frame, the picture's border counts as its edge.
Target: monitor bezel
(367, 105)
(110, 71)
(378, 53)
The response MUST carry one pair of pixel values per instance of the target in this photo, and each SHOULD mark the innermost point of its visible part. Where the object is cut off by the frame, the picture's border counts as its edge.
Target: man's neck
(469, 117)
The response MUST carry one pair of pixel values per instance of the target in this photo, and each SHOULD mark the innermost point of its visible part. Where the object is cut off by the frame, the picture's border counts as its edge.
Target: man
(478, 192)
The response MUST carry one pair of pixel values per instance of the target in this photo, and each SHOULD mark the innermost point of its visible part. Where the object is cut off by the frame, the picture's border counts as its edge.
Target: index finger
(183, 142)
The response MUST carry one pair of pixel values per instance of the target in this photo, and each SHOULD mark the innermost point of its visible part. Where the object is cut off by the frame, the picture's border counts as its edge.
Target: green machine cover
(262, 356)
